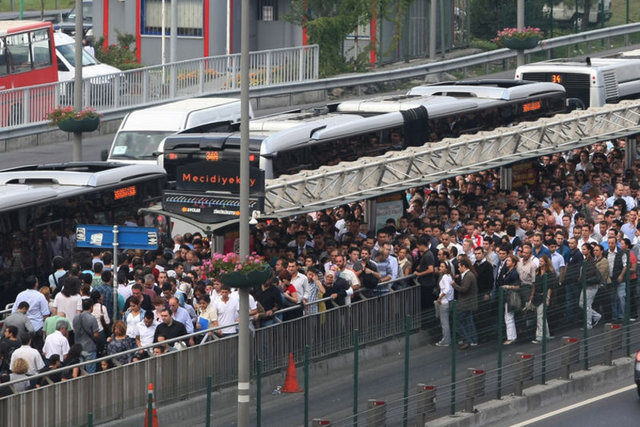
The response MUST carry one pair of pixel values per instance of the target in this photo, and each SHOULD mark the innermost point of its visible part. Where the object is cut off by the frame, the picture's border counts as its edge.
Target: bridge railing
(126, 90)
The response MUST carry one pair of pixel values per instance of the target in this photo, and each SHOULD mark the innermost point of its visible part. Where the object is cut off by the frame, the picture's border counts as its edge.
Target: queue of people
(462, 239)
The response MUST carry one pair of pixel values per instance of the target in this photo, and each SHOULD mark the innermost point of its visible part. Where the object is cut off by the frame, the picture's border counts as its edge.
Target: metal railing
(180, 374)
(141, 87)
(145, 87)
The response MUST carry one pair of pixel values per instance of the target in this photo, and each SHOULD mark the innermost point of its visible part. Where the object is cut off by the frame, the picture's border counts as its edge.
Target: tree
(329, 22)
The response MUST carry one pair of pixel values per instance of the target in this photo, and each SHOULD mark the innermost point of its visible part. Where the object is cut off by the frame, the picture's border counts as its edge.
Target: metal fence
(179, 374)
(144, 86)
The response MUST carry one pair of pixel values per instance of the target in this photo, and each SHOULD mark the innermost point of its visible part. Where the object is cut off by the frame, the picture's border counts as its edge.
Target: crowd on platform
(463, 239)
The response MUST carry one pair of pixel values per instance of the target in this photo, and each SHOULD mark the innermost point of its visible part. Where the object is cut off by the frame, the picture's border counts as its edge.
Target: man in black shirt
(169, 328)
(8, 344)
(270, 298)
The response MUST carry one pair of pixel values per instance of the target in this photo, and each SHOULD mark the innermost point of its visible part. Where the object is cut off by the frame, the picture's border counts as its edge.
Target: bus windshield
(138, 145)
(69, 53)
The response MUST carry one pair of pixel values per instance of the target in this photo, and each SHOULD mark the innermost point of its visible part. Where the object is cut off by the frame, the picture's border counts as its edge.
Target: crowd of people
(570, 233)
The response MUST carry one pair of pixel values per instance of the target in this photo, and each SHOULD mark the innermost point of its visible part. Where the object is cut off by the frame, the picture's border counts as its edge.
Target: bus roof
(291, 133)
(8, 27)
(88, 174)
(489, 92)
(619, 65)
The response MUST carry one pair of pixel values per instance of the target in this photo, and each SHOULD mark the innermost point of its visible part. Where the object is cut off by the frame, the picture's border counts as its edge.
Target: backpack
(369, 281)
(59, 283)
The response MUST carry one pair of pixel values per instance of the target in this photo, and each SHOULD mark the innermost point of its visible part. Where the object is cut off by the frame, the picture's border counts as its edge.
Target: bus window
(18, 53)
(3, 59)
(41, 48)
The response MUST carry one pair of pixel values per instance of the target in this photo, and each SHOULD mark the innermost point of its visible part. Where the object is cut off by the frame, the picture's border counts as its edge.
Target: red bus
(27, 58)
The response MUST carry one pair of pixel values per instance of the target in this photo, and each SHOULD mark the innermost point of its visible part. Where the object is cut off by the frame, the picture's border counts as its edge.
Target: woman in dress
(119, 342)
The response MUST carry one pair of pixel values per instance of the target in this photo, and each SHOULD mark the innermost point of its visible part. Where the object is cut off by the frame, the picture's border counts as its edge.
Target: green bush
(119, 55)
(483, 45)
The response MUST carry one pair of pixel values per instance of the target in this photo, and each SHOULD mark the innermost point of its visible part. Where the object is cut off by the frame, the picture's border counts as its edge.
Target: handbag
(514, 300)
(106, 327)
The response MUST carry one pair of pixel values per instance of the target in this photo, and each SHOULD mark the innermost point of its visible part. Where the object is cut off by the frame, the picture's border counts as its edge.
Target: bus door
(48, 240)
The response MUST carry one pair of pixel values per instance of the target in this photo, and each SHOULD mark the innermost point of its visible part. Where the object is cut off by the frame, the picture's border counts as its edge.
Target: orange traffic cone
(154, 414)
(291, 380)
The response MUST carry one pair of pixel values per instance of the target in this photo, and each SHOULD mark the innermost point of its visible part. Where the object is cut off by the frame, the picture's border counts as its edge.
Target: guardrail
(26, 108)
(304, 61)
(179, 374)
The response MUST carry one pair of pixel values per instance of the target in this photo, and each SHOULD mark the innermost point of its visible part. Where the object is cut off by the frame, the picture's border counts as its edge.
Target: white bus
(595, 81)
(289, 143)
(41, 205)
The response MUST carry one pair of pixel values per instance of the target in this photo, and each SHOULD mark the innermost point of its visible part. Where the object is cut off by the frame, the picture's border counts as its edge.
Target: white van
(66, 55)
(140, 138)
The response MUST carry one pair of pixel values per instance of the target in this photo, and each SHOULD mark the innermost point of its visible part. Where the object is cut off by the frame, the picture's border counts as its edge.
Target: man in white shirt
(146, 329)
(57, 342)
(30, 354)
(38, 308)
(300, 281)
(227, 309)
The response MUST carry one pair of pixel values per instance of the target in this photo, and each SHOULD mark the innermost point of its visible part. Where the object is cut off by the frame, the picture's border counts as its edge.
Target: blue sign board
(101, 236)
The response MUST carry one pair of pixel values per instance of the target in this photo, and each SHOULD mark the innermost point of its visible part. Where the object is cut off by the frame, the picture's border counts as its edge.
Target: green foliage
(119, 55)
(484, 45)
(489, 16)
(329, 22)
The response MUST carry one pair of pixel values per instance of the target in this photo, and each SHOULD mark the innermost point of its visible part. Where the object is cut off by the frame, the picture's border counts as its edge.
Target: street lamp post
(243, 332)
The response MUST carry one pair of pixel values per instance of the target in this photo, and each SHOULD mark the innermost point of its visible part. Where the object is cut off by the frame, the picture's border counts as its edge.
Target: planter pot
(520, 44)
(87, 124)
(237, 279)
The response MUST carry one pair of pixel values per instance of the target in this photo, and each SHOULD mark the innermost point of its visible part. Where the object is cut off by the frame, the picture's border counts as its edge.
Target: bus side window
(3, 60)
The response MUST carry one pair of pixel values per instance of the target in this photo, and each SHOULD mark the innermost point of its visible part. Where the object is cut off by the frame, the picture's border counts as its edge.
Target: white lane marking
(574, 406)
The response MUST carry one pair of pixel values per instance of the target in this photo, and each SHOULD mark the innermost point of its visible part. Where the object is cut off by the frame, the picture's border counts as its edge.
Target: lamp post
(77, 82)
(243, 332)
(520, 27)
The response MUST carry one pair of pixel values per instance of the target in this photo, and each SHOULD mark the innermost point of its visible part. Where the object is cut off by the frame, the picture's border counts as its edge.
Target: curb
(539, 396)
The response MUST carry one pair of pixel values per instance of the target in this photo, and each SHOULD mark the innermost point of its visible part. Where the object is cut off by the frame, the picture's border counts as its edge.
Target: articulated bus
(595, 81)
(27, 58)
(41, 205)
(289, 143)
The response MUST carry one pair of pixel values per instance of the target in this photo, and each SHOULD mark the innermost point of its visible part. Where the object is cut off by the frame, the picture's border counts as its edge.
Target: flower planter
(520, 43)
(238, 279)
(86, 124)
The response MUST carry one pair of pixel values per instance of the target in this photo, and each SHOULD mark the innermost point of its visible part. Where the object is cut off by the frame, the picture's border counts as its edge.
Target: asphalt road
(617, 406)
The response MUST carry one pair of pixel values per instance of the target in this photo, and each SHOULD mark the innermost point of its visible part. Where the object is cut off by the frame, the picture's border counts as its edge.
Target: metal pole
(77, 81)
(545, 289)
(173, 46)
(500, 325)
(627, 303)
(584, 314)
(207, 421)
(443, 49)
(115, 274)
(306, 384)
(90, 419)
(520, 27)
(433, 9)
(243, 338)
(454, 325)
(259, 393)
(407, 340)
(356, 342)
